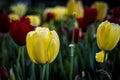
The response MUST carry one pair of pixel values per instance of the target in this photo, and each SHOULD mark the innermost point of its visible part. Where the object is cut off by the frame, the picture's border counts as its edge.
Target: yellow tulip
(100, 56)
(46, 12)
(77, 7)
(19, 8)
(14, 17)
(34, 20)
(108, 35)
(42, 45)
(102, 9)
(57, 12)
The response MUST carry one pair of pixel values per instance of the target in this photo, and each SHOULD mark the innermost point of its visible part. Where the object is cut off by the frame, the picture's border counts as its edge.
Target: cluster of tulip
(76, 32)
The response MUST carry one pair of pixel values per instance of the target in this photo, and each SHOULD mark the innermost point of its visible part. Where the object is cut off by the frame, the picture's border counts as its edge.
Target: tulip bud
(45, 45)
(59, 12)
(77, 34)
(102, 9)
(77, 7)
(19, 8)
(90, 15)
(34, 20)
(4, 23)
(3, 73)
(82, 24)
(55, 13)
(19, 30)
(25, 20)
(48, 15)
(14, 17)
(108, 35)
(100, 56)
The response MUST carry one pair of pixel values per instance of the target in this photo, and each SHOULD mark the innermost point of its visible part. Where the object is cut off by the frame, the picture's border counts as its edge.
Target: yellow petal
(102, 8)
(100, 56)
(53, 47)
(42, 45)
(75, 7)
(108, 35)
(13, 16)
(34, 20)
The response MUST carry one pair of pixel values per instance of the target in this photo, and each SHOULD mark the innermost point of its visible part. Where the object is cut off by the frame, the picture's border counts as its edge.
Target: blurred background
(84, 25)
(3, 3)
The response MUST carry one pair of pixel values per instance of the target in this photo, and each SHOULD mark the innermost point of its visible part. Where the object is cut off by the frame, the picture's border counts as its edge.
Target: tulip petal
(100, 56)
(54, 46)
(42, 45)
(108, 35)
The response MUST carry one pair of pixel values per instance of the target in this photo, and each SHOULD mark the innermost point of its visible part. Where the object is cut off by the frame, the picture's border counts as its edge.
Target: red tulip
(3, 73)
(49, 16)
(77, 34)
(82, 24)
(112, 19)
(25, 20)
(90, 15)
(4, 23)
(116, 12)
(19, 30)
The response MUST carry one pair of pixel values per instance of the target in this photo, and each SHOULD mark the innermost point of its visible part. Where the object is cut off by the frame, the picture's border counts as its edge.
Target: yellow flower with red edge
(34, 20)
(14, 17)
(55, 13)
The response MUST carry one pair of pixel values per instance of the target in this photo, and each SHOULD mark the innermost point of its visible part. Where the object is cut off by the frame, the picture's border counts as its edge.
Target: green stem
(47, 73)
(23, 61)
(42, 72)
(104, 62)
(2, 49)
(61, 66)
(71, 66)
(33, 71)
(18, 63)
(18, 58)
(72, 53)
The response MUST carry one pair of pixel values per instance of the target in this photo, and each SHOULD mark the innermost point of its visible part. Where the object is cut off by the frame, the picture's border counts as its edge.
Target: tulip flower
(112, 19)
(77, 34)
(116, 12)
(14, 17)
(102, 9)
(100, 56)
(34, 20)
(3, 73)
(19, 9)
(4, 23)
(19, 30)
(48, 14)
(25, 20)
(108, 35)
(77, 7)
(45, 45)
(59, 12)
(90, 15)
(82, 24)
(55, 13)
